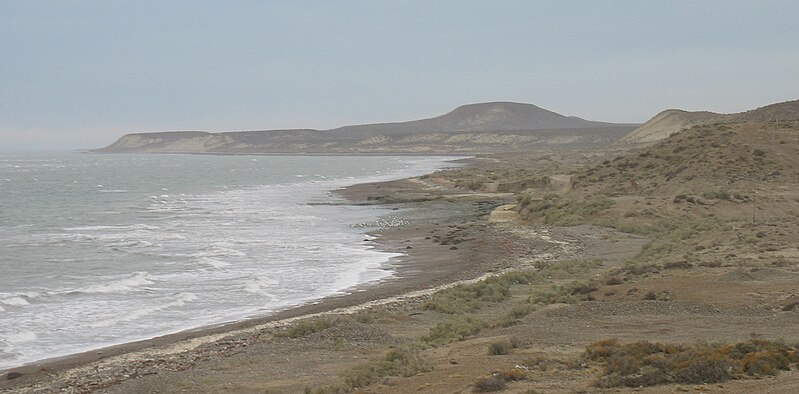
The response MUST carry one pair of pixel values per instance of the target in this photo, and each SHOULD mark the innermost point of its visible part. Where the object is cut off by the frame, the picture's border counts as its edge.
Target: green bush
(555, 210)
(516, 313)
(563, 294)
(569, 268)
(469, 298)
(454, 330)
(499, 348)
(307, 327)
(404, 361)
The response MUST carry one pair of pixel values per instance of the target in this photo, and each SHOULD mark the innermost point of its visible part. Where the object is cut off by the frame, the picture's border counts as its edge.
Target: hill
(704, 158)
(505, 116)
(475, 128)
(672, 121)
(669, 122)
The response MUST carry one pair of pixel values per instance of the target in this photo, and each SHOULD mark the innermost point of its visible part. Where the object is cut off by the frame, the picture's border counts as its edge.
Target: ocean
(98, 250)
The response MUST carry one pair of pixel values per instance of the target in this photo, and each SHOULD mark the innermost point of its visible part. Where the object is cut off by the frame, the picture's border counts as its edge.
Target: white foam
(124, 285)
(217, 251)
(19, 337)
(258, 284)
(180, 300)
(212, 262)
(137, 226)
(18, 299)
(15, 301)
(124, 243)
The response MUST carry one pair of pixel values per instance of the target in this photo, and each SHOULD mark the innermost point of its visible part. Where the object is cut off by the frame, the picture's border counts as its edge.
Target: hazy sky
(79, 74)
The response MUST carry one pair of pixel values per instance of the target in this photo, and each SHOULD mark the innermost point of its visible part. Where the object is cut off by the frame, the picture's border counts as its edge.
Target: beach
(424, 268)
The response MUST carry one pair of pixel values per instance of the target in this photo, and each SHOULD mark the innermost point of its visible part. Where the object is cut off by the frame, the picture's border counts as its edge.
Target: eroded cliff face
(672, 121)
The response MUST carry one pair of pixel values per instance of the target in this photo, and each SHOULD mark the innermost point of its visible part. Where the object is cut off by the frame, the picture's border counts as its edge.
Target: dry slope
(672, 121)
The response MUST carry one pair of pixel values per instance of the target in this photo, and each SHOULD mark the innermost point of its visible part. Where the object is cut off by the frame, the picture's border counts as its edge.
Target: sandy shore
(425, 268)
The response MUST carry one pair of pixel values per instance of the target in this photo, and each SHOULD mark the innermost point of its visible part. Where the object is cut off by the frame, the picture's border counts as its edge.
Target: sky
(79, 74)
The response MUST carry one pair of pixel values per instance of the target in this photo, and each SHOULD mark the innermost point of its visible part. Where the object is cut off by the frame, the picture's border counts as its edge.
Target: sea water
(97, 250)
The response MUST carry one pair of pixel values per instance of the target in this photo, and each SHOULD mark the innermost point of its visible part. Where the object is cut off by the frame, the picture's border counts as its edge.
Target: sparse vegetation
(498, 381)
(648, 364)
(516, 313)
(307, 327)
(469, 298)
(499, 348)
(556, 210)
(490, 384)
(405, 361)
(453, 330)
(378, 316)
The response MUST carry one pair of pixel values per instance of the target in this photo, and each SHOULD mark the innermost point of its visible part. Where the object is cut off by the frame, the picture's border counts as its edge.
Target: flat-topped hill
(475, 128)
(494, 116)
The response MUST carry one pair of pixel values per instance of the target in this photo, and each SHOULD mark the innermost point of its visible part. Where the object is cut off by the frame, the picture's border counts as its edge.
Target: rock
(13, 375)
(503, 214)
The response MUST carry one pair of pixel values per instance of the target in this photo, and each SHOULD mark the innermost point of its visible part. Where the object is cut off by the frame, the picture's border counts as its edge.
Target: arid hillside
(671, 121)
(705, 158)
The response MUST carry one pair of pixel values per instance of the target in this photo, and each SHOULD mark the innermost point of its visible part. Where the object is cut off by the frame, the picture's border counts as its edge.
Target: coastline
(424, 268)
(354, 264)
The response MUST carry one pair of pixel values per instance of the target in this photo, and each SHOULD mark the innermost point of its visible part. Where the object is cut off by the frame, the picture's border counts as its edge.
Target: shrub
(562, 212)
(647, 364)
(570, 268)
(677, 265)
(469, 298)
(513, 375)
(538, 362)
(499, 348)
(404, 361)
(583, 288)
(307, 327)
(489, 384)
(454, 330)
(614, 280)
(563, 294)
(516, 313)
(703, 370)
(377, 315)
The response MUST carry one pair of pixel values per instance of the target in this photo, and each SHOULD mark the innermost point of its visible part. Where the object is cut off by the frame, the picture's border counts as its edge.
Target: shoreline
(326, 192)
(417, 273)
